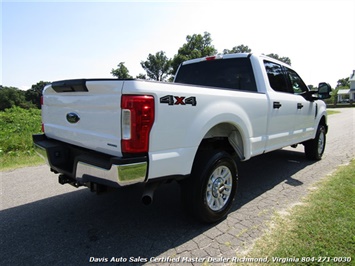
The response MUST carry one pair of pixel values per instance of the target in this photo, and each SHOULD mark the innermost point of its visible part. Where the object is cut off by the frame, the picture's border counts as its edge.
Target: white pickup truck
(219, 110)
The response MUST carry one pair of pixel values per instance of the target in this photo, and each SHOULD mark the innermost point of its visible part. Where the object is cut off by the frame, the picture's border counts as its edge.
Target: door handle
(277, 105)
(299, 106)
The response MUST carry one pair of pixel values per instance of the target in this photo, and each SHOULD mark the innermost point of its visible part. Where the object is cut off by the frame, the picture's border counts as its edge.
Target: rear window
(235, 73)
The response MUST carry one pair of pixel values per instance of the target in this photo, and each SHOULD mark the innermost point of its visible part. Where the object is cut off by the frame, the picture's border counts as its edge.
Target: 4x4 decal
(178, 100)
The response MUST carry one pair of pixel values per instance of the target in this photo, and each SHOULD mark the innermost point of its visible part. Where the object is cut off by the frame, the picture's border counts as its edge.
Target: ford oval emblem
(73, 118)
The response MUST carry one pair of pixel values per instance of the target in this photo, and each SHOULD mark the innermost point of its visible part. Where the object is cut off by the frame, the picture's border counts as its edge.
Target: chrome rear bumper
(84, 166)
(123, 175)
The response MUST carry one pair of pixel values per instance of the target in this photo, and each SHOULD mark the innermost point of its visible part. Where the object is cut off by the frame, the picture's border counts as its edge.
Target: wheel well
(324, 122)
(225, 137)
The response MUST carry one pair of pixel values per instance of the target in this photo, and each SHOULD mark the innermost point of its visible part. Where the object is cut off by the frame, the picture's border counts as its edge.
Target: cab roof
(229, 56)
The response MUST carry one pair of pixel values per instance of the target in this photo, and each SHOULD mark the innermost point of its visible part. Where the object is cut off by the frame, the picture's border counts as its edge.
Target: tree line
(12, 96)
(157, 67)
(161, 68)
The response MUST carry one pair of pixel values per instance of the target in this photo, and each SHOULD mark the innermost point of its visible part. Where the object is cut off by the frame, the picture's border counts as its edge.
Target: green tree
(345, 82)
(196, 46)
(121, 72)
(11, 96)
(141, 76)
(34, 94)
(282, 59)
(157, 66)
(238, 49)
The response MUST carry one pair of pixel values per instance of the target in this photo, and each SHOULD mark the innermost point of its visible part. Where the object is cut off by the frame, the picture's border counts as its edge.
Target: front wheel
(209, 192)
(314, 148)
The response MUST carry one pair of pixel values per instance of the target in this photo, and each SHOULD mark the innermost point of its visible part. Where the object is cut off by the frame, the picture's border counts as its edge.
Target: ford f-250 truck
(219, 110)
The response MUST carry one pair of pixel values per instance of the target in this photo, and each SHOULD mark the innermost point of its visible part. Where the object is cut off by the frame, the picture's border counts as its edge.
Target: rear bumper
(86, 166)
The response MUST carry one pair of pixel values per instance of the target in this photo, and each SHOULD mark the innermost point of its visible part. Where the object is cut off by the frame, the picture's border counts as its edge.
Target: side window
(276, 76)
(297, 84)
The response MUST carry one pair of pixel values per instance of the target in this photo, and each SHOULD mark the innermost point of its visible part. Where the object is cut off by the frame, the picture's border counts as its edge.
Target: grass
(319, 230)
(16, 147)
(332, 112)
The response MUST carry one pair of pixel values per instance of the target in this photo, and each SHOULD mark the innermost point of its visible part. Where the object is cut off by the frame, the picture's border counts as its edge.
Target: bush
(17, 126)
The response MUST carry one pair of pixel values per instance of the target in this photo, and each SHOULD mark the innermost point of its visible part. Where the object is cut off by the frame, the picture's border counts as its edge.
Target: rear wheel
(314, 148)
(209, 192)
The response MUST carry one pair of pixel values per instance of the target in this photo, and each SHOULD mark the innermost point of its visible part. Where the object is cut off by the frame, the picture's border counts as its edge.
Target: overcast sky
(54, 40)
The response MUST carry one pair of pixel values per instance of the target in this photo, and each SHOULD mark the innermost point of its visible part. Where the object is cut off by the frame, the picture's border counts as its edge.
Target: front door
(306, 109)
(282, 108)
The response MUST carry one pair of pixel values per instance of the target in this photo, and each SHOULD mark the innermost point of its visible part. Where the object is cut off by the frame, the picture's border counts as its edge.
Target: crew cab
(219, 110)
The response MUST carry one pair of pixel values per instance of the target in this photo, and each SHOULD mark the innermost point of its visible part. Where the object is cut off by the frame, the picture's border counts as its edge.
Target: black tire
(314, 148)
(209, 192)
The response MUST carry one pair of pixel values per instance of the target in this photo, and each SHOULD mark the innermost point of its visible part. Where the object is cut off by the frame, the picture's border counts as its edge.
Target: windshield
(235, 73)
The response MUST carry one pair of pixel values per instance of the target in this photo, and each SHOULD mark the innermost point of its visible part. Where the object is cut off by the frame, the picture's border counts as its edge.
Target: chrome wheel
(209, 192)
(219, 188)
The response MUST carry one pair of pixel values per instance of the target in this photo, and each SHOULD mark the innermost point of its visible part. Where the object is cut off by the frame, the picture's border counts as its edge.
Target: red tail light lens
(137, 121)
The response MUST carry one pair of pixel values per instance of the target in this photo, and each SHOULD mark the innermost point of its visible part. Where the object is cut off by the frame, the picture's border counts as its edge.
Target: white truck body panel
(179, 130)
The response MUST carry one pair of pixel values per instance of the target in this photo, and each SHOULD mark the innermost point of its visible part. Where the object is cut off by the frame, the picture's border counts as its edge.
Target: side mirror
(324, 91)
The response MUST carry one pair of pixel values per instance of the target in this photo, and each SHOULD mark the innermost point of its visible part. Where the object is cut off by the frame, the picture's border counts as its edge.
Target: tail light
(137, 121)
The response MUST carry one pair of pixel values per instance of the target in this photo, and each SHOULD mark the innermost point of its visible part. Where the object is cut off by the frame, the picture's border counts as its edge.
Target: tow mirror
(324, 91)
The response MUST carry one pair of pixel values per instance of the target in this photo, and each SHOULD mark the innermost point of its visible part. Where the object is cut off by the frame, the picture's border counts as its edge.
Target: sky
(55, 40)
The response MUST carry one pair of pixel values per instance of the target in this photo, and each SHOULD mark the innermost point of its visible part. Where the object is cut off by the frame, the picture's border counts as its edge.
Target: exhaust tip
(148, 193)
(147, 200)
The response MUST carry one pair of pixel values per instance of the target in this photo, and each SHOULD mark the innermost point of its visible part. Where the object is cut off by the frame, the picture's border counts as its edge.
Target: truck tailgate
(86, 113)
